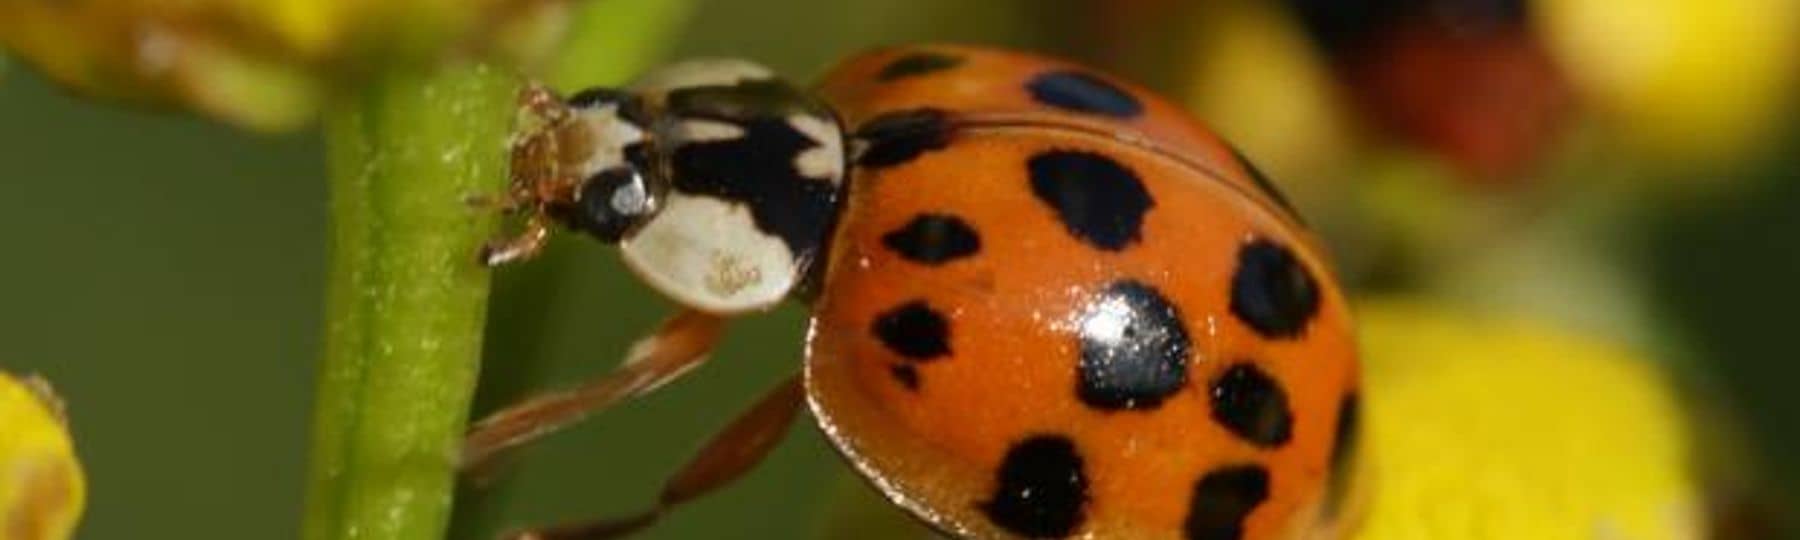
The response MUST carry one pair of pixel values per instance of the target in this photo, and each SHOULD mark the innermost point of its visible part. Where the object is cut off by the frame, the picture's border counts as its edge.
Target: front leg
(538, 177)
(524, 245)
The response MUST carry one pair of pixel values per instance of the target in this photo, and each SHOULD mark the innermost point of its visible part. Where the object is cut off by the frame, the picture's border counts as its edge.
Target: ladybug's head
(718, 181)
(588, 159)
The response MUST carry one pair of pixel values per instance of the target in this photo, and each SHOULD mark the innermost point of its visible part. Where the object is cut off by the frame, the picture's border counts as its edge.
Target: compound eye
(611, 204)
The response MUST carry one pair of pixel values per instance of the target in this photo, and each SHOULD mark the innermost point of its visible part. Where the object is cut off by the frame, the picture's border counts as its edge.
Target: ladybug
(1045, 303)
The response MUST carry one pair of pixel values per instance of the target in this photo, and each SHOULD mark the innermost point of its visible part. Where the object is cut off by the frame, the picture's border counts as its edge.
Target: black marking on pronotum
(933, 239)
(914, 330)
(1041, 489)
(898, 137)
(742, 100)
(599, 95)
(758, 171)
(1252, 405)
(1267, 186)
(758, 168)
(1271, 290)
(1134, 348)
(1343, 455)
(1099, 200)
(917, 63)
(1081, 92)
(1223, 499)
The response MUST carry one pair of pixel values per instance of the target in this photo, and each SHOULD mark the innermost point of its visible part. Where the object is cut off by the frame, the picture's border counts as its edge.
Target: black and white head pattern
(754, 167)
(615, 122)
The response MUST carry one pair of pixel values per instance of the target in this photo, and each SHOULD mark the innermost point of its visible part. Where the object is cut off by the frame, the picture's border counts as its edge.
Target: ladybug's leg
(681, 344)
(538, 178)
(731, 453)
(518, 247)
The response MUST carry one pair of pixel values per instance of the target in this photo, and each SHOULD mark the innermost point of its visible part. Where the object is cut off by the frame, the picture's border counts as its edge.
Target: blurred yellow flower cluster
(42, 489)
(1496, 428)
(1683, 79)
(263, 64)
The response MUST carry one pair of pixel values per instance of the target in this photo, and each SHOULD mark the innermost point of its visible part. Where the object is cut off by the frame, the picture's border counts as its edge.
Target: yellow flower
(1681, 79)
(41, 485)
(1504, 429)
(263, 64)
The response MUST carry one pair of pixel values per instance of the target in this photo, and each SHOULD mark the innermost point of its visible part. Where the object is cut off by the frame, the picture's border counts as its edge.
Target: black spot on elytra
(1343, 455)
(1099, 200)
(1042, 489)
(1223, 498)
(914, 330)
(933, 239)
(757, 169)
(1272, 292)
(1252, 405)
(898, 137)
(915, 64)
(1081, 92)
(1134, 348)
(906, 374)
(1263, 183)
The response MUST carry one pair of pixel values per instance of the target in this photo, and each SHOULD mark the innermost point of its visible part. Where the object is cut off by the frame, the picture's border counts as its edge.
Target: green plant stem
(407, 302)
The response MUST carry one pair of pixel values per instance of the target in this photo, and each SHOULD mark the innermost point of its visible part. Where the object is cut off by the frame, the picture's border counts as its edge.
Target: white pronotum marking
(611, 135)
(708, 254)
(699, 72)
(701, 130)
(825, 160)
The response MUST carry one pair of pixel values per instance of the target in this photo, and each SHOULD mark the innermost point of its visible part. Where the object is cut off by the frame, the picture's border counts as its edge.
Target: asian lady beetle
(1045, 303)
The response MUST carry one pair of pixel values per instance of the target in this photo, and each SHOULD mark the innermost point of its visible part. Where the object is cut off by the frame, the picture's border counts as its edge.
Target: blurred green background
(165, 272)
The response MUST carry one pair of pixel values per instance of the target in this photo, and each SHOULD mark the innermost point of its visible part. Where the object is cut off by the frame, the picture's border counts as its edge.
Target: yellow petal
(42, 490)
(260, 64)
